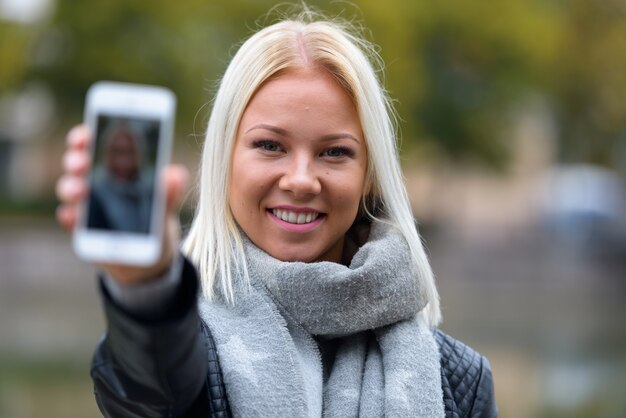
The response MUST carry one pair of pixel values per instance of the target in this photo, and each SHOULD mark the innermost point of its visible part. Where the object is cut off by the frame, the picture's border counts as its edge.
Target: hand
(72, 189)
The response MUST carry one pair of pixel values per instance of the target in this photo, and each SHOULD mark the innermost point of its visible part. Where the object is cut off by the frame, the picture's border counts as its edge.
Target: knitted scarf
(383, 359)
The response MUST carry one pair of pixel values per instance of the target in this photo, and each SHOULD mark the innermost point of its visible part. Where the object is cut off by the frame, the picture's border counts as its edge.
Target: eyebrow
(283, 132)
(276, 129)
(340, 135)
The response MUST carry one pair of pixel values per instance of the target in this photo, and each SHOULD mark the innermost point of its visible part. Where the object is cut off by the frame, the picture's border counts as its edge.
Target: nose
(300, 178)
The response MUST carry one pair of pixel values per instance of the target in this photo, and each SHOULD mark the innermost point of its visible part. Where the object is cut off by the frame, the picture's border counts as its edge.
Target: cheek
(247, 188)
(346, 195)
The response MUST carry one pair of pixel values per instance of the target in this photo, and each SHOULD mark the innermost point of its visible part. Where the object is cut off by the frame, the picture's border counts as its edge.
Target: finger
(71, 189)
(76, 162)
(66, 216)
(78, 137)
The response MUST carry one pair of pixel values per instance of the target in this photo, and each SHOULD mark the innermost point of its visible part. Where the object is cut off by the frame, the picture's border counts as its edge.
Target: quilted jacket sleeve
(484, 403)
(466, 380)
(157, 366)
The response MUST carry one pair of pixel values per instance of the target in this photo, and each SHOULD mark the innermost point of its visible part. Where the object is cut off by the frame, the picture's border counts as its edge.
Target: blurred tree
(587, 81)
(455, 68)
(15, 43)
(182, 45)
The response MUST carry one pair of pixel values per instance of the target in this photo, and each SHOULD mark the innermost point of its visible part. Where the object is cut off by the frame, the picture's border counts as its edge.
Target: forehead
(122, 137)
(310, 84)
(303, 96)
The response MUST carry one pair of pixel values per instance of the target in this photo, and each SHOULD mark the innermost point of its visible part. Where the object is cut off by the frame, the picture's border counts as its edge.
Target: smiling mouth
(295, 217)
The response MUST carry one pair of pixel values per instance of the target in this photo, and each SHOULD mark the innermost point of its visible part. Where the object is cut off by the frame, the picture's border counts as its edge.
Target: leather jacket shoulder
(466, 380)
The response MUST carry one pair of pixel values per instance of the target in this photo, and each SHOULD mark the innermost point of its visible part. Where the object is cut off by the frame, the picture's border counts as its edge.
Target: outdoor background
(513, 125)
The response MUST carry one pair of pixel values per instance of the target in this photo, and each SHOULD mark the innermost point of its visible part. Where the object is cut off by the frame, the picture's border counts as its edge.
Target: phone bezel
(115, 99)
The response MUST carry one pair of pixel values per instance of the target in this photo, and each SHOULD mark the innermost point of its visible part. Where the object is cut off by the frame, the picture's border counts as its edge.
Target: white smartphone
(122, 219)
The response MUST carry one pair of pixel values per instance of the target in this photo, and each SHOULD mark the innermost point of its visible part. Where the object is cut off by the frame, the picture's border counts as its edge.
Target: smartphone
(122, 219)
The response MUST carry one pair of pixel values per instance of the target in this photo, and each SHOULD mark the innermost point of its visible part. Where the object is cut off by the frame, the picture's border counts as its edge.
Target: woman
(317, 297)
(121, 192)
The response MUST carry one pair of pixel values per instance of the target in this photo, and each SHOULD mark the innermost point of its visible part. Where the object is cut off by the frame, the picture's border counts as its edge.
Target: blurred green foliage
(458, 69)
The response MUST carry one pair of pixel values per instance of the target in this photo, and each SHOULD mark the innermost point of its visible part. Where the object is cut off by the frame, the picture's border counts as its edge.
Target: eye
(268, 145)
(338, 152)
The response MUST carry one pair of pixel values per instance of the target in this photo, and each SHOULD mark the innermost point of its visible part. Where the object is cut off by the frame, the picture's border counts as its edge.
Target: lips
(293, 217)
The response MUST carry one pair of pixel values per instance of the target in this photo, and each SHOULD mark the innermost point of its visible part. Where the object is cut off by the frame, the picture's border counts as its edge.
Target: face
(121, 156)
(298, 167)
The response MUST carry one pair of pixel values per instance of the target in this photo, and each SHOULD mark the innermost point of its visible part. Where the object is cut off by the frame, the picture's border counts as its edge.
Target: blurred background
(513, 120)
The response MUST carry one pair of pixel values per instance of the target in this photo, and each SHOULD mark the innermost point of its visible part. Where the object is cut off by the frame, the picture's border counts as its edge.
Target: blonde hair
(214, 242)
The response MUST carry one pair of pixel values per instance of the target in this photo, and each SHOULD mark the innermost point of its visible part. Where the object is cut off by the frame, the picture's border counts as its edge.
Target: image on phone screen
(123, 174)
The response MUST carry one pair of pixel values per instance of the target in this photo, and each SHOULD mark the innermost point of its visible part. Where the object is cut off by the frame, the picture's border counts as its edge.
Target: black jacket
(156, 367)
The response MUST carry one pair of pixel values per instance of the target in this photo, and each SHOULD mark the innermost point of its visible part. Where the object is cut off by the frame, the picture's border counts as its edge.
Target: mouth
(296, 218)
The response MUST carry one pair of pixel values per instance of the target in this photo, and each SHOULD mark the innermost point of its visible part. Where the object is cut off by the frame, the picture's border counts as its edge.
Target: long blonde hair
(214, 242)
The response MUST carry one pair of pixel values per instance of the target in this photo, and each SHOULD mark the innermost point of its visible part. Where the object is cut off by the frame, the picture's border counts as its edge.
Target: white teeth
(295, 218)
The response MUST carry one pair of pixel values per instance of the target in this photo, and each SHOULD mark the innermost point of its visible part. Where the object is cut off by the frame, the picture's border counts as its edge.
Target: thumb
(176, 180)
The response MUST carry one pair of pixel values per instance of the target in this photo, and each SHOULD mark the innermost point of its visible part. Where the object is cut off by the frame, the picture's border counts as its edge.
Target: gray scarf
(384, 360)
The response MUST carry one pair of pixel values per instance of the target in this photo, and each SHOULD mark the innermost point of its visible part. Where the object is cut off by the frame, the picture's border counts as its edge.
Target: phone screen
(123, 174)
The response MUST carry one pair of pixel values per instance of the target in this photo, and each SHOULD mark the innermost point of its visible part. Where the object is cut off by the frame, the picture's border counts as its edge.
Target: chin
(290, 255)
